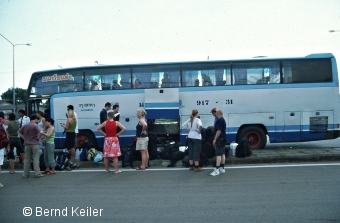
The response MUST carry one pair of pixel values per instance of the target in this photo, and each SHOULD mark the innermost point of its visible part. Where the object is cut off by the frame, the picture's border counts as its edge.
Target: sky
(66, 33)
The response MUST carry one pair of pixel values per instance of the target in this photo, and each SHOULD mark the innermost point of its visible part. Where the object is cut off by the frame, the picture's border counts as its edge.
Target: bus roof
(264, 58)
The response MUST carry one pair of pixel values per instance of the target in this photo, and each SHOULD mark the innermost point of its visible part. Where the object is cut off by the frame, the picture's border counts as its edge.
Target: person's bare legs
(72, 154)
(143, 155)
(147, 158)
(11, 165)
(106, 164)
(115, 164)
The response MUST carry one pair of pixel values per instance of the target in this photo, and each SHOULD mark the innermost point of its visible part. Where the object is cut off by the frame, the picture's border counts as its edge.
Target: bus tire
(257, 137)
(86, 139)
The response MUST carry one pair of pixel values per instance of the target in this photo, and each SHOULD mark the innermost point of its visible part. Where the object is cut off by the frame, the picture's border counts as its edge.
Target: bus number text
(141, 104)
(229, 101)
(203, 102)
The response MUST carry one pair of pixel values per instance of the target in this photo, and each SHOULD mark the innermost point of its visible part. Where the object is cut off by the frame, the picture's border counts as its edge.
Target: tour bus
(264, 99)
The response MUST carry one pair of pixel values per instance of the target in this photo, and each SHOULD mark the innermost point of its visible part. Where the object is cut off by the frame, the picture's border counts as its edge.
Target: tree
(20, 95)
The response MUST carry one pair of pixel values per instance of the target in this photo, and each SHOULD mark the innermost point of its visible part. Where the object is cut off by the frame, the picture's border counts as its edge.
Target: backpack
(62, 161)
(3, 137)
(152, 146)
(83, 154)
(127, 157)
(91, 154)
(243, 148)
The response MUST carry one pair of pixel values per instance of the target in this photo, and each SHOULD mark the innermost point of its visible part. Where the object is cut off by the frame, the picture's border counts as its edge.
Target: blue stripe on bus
(162, 105)
(162, 113)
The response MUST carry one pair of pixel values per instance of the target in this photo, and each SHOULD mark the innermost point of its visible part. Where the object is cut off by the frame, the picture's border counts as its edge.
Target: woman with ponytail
(194, 127)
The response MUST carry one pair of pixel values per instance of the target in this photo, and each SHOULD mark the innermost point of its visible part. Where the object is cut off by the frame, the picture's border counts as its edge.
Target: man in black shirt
(103, 113)
(116, 112)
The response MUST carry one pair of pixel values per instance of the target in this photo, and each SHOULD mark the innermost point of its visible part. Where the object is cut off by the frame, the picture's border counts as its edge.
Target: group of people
(194, 127)
(111, 129)
(30, 134)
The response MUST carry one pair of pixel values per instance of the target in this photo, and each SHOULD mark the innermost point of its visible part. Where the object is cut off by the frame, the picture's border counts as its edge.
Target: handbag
(98, 157)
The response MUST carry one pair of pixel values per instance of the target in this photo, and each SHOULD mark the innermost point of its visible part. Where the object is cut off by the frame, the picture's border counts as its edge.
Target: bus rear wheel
(86, 139)
(256, 136)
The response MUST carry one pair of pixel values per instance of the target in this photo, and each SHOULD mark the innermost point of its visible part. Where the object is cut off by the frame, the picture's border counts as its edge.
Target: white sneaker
(221, 170)
(215, 172)
(119, 171)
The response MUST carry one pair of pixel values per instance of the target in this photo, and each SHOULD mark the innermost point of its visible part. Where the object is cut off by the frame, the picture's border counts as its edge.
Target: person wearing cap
(219, 129)
(213, 112)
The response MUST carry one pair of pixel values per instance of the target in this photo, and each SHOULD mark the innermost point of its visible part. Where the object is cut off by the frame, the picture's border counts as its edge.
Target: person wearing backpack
(219, 142)
(194, 127)
(111, 143)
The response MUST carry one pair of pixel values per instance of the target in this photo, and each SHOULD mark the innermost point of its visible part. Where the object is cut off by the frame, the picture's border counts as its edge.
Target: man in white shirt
(23, 120)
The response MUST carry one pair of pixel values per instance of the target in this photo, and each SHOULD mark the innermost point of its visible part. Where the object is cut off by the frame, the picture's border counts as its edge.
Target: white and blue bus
(280, 99)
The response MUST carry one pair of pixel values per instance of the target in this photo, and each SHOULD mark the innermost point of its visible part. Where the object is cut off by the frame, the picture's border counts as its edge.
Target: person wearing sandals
(14, 141)
(47, 138)
(142, 138)
(29, 133)
(111, 147)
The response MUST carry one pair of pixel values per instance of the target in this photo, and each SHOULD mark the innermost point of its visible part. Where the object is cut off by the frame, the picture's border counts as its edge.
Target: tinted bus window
(107, 79)
(205, 74)
(56, 82)
(307, 71)
(155, 76)
(256, 72)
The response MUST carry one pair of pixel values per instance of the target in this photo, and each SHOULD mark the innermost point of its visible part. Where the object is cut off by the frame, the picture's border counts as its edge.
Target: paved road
(273, 193)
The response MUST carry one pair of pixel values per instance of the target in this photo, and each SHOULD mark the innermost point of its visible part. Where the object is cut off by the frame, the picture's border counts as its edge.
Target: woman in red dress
(111, 147)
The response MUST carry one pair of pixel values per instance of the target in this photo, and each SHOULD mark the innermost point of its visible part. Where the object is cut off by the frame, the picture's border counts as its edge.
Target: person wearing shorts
(70, 141)
(220, 128)
(142, 139)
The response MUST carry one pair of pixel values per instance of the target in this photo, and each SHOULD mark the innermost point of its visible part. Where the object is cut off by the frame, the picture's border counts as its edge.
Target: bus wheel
(86, 139)
(256, 136)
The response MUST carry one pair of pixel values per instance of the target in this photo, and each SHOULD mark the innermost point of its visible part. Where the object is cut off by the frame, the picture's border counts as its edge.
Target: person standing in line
(14, 141)
(116, 112)
(23, 120)
(69, 143)
(103, 113)
(220, 128)
(48, 136)
(41, 125)
(111, 143)
(142, 138)
(2, 150)
(29, 133)
(213, 112)
(70, 107)
(194, 127)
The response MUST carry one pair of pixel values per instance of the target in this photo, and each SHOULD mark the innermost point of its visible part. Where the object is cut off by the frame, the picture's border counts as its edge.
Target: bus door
(317, 125)
(162, 108)
(292, 126)
(38, 104)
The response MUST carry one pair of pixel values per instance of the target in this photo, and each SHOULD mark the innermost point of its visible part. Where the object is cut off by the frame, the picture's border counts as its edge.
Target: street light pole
(13, 45)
